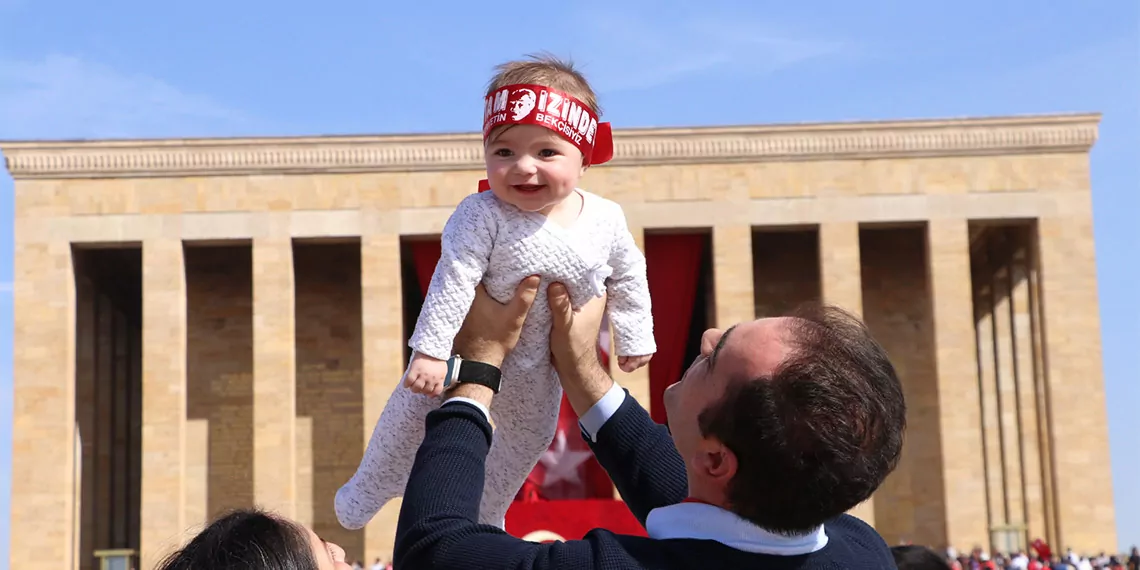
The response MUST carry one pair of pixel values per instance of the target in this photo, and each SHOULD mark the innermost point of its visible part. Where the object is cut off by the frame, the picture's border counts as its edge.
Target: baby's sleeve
(465, 252)
(629, 305)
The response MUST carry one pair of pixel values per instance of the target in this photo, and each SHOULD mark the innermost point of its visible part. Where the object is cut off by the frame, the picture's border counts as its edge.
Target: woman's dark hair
(247, 539)
(912, 557)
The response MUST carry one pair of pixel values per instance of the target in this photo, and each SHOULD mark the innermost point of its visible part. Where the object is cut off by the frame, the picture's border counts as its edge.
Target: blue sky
(118, 68)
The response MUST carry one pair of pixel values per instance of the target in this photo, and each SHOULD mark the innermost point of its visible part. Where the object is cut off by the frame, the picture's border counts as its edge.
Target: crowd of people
(1031, 559)
(912, 557)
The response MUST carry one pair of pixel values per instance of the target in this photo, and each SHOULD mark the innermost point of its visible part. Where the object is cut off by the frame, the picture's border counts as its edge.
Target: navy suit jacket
(437, 528)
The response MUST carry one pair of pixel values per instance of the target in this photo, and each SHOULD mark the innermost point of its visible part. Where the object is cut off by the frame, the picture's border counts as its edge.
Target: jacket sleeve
(640, 458)
(438, 529)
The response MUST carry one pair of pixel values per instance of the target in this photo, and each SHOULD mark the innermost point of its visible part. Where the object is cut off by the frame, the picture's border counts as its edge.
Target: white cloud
(635, 52)
(68, 97)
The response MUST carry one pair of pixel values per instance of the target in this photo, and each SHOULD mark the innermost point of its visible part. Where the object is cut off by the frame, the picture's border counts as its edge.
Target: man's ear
(716, 461)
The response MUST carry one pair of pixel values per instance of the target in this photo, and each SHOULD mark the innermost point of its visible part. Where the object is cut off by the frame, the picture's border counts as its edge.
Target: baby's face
(532, 167)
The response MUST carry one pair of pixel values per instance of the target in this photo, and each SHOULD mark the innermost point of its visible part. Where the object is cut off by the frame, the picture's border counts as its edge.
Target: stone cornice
(406, 153)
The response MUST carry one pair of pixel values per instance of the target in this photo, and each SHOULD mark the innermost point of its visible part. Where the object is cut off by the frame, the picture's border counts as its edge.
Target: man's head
(788, 421)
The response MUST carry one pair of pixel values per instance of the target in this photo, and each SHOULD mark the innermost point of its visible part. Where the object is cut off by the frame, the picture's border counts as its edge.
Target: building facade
(209, 324)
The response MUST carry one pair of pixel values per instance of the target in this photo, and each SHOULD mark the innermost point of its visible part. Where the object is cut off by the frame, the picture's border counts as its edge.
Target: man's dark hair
(914, 557)
(244, 539)
(819, 435)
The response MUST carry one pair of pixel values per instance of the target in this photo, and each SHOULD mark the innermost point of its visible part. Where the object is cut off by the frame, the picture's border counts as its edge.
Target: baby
(540, 133)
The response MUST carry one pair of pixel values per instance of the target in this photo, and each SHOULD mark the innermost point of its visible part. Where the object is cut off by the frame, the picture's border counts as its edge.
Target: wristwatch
(471, 371)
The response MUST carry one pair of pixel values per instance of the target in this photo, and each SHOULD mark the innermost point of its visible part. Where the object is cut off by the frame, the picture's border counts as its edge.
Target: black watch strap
(480, 373)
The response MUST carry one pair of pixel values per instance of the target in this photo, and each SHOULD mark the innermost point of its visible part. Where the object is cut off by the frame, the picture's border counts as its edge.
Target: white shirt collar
(707, 522)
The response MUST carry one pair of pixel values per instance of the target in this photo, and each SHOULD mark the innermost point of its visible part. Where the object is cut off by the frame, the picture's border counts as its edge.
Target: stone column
(305, 471)
(732, 274)
(1077, 421)
(85, 389)
(197, 464)
(1013, 501)
(1041, 388)
(44, 490)
(636, 382)
(164, 400)
(274, 376)
(841, 280)
(990, 452)
(1027, 375)
(382, 311)
(962, 484)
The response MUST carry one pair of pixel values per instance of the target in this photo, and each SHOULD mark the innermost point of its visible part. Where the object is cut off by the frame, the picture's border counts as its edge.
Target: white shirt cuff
(482, 408)
(597, 416)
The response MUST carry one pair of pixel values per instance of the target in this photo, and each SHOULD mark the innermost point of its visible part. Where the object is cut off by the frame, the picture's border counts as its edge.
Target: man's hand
(574, 348)
(490, 332)
(491, 329)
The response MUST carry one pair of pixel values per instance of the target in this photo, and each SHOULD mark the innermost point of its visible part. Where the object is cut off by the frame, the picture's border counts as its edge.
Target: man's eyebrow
(719, 345)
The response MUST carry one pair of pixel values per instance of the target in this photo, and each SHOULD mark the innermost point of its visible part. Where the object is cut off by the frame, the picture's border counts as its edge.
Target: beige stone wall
(43, 476)
(785, 270)
(349, 205)
(86, 416)
(634, 185)
(1074, 379)
(107, 390)
(219, 361)
(948, 262)
(841, 284)
(382, 330)
(1016, 477)
(896, 306)
(274, 373)
(329, 387)
(164, 399)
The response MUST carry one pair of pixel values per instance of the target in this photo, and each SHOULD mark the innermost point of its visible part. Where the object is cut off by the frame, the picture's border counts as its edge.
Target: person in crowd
(251, 539)
(775, 431)
(914, 557)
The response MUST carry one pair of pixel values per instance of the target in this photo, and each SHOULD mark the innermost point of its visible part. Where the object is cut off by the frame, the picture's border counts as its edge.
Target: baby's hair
(550, 71)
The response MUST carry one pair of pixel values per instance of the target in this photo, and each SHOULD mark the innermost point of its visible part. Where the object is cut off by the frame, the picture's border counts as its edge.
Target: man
(777, 429)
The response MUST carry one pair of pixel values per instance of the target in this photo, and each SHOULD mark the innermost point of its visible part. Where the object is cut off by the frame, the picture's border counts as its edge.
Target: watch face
(452, 363)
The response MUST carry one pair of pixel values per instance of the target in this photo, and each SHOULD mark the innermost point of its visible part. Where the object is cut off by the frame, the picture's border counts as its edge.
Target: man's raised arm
(638, 454)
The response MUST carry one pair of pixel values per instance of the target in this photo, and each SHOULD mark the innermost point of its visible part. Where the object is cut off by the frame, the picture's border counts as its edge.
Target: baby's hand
(630, 363)
(425, 375)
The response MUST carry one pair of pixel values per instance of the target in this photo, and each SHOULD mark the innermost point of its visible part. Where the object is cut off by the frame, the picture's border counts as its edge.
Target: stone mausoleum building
(214, 323)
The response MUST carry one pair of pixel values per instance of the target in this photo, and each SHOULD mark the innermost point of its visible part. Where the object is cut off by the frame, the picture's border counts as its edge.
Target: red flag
(568, 469)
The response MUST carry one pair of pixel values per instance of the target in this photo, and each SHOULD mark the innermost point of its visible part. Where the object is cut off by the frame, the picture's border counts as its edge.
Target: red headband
(528, 104)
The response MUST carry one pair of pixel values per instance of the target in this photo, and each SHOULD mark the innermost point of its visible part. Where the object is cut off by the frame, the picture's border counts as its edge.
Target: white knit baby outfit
(492, 241)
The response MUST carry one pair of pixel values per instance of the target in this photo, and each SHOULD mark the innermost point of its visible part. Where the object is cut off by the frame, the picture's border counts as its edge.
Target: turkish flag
(547, 521)
(568, 493)
(568, 469)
